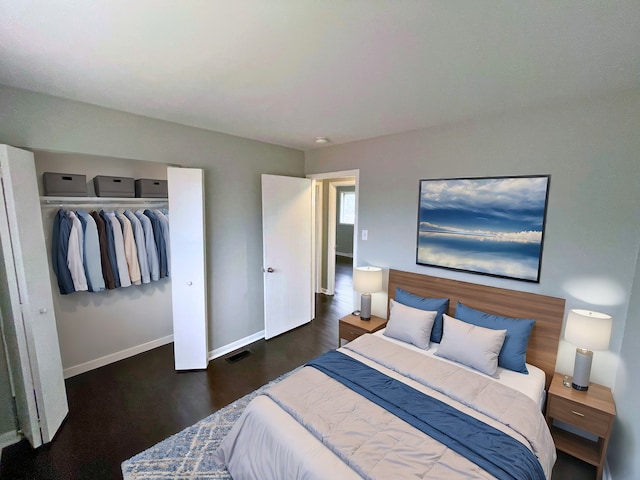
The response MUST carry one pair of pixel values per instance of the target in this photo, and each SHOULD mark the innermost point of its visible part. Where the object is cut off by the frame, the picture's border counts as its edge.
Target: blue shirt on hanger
(60, 250)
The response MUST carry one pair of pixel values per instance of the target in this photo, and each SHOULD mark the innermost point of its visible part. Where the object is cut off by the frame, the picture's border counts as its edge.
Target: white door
(188, 267)
(287, 253)
(29, 324)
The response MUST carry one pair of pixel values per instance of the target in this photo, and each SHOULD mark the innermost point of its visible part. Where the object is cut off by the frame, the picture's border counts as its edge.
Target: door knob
(189, 283)
(43, 310)
(269, 270)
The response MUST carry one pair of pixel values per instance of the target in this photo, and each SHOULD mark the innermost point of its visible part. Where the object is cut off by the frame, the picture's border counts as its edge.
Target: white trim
(317, 244)
(230, 347)
(341, 254)
(340, 174)
(331, 238)
(332, 216)
(606, 473)
(9, 438)
(114, 357)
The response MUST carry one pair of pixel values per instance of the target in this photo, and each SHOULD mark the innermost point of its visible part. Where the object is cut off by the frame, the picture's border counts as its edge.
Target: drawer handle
(577, 413)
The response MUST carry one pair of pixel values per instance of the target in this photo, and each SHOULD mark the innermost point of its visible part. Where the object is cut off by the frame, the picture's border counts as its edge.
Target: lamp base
(582, 369)
(365, 306)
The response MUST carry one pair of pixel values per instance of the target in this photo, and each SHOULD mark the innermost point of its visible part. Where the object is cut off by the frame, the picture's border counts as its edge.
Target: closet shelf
(103, 201)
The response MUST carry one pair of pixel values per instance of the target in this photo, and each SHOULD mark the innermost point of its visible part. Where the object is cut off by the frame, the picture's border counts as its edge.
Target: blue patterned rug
(187, 454)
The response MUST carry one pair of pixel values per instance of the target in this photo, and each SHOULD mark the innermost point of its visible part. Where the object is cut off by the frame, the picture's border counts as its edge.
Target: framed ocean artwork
(490, 226)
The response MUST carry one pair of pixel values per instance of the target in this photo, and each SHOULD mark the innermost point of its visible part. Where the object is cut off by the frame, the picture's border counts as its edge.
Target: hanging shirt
(138, 235)
(164, 225)
(121, 258)
(92, 256)
(107, 272)
(130, 250)
(59, 250)
(157, 235)
(150, 245)
(75, 254)
(111, 247)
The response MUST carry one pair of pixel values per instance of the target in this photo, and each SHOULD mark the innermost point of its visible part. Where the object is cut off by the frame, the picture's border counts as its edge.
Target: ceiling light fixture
(322, 140)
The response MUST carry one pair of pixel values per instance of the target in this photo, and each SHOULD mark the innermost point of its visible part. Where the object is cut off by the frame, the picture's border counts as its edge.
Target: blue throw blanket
(496, 452)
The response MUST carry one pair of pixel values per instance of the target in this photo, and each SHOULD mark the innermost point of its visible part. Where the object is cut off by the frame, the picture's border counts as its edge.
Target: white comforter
(267, 442)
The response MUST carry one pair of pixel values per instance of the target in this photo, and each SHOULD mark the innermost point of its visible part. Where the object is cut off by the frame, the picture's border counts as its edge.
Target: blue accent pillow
(439, 305)
(514, 350)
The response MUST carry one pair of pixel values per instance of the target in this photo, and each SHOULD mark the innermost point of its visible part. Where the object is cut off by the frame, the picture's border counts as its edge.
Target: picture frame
(484, 225)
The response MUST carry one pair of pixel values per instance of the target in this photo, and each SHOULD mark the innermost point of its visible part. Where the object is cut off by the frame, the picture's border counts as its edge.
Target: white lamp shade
(588, 330)
(367, 279)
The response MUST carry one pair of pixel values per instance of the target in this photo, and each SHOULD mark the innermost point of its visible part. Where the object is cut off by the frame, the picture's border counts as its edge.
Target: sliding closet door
(29, 324)
(188, 267)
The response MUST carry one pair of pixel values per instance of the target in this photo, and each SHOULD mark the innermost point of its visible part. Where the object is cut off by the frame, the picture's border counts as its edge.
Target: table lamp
(366, 280)
(589, 331)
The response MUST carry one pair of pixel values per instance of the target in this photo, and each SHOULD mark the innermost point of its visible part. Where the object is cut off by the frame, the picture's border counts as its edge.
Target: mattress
(268, 442)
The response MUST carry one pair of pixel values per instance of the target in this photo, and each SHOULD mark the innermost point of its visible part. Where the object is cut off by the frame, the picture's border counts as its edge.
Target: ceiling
(286, 71)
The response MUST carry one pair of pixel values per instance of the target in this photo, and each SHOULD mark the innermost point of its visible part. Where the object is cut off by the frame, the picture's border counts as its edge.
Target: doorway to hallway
(344, 284)
(335, 248)
(339, 304)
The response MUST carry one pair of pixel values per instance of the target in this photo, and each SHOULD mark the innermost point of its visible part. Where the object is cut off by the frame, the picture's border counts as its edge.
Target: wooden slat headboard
(548, 312)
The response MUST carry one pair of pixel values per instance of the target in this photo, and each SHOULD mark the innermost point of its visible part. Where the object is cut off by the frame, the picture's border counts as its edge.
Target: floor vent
(236, 357)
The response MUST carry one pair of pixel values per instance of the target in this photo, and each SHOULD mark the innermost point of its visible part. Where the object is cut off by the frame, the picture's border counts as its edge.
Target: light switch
(365, 234)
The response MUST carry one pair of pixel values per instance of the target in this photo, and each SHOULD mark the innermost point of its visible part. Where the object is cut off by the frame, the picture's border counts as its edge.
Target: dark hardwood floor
(121, 409)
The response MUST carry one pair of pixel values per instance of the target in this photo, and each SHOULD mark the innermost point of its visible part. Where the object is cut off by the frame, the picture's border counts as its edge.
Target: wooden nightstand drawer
(591, 411)
(349, 332)
(351, 326)
(581, 416)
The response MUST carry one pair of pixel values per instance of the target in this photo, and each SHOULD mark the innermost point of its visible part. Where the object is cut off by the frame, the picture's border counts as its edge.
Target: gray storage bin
(113, 186)
(64, 184)
(150, 188)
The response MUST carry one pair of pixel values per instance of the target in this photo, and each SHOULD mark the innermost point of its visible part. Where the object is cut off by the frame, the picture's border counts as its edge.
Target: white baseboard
(130, 352)
(350, 255)
(9, 438)
(114, 357)
(243, 342)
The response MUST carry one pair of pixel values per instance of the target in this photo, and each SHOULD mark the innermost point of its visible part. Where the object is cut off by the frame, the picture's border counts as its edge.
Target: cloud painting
(493, 226)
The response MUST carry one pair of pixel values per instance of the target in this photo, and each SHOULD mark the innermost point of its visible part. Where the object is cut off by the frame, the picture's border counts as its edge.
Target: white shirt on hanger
(138, 234)
(75, 254)
(130, 250)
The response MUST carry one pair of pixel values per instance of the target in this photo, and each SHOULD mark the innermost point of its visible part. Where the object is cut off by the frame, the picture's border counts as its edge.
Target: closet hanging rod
(102, 201)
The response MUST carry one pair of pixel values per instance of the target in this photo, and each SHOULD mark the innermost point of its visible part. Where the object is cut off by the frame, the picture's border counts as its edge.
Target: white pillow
(409, 324)
(473, 346)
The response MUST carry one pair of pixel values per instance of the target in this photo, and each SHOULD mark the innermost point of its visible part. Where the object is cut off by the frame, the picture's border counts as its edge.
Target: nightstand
(591, 411)
(351, 327)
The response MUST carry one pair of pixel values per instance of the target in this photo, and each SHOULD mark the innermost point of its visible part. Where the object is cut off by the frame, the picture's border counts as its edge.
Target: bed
(380, 407)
